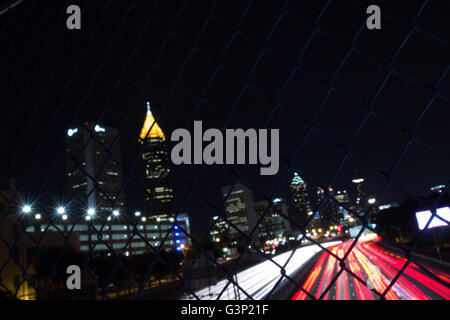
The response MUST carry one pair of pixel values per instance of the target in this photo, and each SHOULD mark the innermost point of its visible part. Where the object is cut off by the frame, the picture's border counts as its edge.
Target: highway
(257, 281)
(377, 267)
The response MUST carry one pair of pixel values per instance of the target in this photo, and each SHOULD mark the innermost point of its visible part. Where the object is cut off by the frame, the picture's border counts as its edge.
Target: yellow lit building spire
(151, 125)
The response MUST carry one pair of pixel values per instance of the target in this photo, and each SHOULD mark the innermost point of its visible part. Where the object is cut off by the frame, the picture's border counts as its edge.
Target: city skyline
(133, 184)
(217, 150)
(152, 132)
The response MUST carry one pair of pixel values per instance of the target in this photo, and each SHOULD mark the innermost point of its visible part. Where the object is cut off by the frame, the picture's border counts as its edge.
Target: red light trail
(377, 267)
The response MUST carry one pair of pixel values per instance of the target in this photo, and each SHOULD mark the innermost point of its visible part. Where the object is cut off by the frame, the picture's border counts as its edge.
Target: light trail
(258, 281)
(377, 267)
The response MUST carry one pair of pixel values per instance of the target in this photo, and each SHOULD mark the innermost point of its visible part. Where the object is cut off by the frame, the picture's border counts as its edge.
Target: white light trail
(258, 280)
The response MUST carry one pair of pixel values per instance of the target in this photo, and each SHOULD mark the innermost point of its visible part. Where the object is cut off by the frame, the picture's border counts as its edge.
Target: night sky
(344, 98)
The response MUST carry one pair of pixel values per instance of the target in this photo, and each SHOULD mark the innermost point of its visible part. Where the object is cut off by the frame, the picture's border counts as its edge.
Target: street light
(116, 213)
(61, 210)
(64, 217)
(137, 213)
(38, 216)
(91, 211)
(371, 201)
(26, 208)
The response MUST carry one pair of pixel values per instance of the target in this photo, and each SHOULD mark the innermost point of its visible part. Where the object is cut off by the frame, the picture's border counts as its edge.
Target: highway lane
(257, 281)
(377, 267)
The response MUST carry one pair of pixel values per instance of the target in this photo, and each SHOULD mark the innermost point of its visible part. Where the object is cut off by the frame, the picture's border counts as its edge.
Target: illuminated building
(239, 209)
(327, 214)
(158, 190)
(95, 187)
(157, 228)
(220, 231)
(156, 173)
(360, 194)
(117, 235)
(342, 196)
(94, 171)
(301, 210)
(344, 201)
(273, 225)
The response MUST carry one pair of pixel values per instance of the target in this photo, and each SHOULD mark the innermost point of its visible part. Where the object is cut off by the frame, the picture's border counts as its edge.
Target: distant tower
(95, 175)
(273, 224)
(95, 181)
(240, 209)
(302, 209)
(360, 194)
(156, 173)
(344, 200)
(328, 212)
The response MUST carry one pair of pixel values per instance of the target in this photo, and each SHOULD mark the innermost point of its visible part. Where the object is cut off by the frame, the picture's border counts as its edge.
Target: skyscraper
(344, 200)
(273, 225)
(360, 194)
(328, 211)
(95, 180)
(95, 175)
(301, 209)
(240, 209)
(156, 173)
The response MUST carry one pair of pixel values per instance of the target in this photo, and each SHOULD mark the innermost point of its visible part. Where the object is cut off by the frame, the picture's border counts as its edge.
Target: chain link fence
(84, 185)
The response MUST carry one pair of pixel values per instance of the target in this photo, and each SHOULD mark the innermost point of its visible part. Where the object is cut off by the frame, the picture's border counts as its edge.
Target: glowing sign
(423, 217)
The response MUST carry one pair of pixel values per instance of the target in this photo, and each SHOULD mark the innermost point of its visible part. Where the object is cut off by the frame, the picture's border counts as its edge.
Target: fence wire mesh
(343, 96)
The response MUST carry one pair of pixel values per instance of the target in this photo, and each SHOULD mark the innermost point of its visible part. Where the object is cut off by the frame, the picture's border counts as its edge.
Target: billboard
(423, 217)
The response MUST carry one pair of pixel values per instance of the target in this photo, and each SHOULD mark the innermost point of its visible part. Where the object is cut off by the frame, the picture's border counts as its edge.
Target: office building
(301, 209)
(220, 231)
(94, 170)
(328, 214)
(116, 234)
(155, 172)
(360, 192)
(95, 187)
(273, 224)
(239, 209)
(343, 199)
